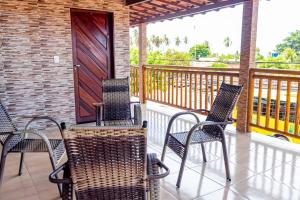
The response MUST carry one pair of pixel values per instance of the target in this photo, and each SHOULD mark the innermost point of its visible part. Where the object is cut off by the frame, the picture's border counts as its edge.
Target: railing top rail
(191, 68)
(275, 71)
(252, 70)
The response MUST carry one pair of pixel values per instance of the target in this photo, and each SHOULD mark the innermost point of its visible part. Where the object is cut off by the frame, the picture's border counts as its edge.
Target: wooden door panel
(92, 58)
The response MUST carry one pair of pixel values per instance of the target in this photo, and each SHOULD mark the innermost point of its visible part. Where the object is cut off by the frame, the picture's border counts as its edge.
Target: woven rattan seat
(199, 136)
(28, 140)
(210, 130)
(34, 145)
(116, 105)
(109, 163)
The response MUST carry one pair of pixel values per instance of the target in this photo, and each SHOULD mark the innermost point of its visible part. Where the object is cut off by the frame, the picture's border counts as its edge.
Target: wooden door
(92, 59)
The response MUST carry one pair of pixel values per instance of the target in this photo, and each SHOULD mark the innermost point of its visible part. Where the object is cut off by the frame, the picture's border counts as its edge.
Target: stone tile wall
(31, 33)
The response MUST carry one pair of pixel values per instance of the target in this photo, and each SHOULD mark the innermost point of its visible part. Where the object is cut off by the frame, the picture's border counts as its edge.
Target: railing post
(142, 59)
(250, 100)
(247, 61)
(142, 84)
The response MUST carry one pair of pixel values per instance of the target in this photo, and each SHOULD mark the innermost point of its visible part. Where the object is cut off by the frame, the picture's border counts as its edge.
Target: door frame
(111, 70)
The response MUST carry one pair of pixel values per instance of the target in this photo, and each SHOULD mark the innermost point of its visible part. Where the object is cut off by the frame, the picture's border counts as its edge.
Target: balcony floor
(261, 167)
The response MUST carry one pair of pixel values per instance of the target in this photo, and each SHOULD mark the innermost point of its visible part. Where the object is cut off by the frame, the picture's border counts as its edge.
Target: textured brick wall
(31, 33)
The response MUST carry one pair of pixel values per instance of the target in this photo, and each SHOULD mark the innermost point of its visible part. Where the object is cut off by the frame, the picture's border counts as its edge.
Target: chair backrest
(6, 124)
(116, 97)
(107, 162)
(222, 107)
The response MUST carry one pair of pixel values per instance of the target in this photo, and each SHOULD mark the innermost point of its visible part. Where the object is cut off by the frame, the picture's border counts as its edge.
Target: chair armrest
(54, 174)
(135, 102)
(98, 104)
(34, 118)
(155, 163)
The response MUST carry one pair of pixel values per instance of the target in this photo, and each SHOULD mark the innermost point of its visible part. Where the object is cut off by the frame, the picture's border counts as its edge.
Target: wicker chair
(109, 163)
(116, 107)
(16, 141)
(208, 131)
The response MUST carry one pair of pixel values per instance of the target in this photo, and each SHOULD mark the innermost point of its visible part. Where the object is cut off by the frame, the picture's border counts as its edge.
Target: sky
(276, 19)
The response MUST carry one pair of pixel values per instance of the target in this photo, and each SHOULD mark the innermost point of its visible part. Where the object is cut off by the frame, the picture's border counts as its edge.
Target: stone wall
(31, 33)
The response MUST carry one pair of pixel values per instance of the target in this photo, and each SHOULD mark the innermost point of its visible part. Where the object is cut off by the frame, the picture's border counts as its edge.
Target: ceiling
(146, 11)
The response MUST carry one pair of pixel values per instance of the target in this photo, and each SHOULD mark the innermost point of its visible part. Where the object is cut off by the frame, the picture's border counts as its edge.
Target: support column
(247, 60)
(142, 59)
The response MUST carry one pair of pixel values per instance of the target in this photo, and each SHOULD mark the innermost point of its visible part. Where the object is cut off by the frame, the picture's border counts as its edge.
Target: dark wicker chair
(116, 107)
(109, 163)
(208, 131)
(16, 141)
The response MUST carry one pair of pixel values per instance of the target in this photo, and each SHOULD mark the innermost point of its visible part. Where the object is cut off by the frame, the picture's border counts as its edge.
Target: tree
(289, 54)
(166, 40)
(185, 40)
(156, 41)
(199, 51)
(258, 55)
(134, 38)
(177, 41)
(227, 42)
(134, 56)
(292, 41)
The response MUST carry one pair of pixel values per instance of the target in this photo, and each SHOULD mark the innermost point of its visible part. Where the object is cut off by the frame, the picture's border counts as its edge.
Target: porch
(262, 167)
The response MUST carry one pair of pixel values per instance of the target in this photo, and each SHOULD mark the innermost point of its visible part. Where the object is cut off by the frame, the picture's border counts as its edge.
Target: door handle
(76, 65)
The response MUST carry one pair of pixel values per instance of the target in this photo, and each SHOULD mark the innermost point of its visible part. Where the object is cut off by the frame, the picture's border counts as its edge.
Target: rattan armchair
(207, 131)
(27, 140)
(109, 163)
(116, 108)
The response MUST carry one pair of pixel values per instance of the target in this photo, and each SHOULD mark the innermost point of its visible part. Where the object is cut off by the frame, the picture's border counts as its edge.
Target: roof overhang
(146, 11)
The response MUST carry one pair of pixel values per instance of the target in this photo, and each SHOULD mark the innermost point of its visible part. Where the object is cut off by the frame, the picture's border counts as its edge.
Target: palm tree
(227, 42)
(134, 39)
(185, 40)
(166, 40)
(177, 41)
(157, 41)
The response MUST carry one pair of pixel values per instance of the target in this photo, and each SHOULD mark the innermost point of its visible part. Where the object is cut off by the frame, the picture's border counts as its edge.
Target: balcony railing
(274, 98)
(274, 95)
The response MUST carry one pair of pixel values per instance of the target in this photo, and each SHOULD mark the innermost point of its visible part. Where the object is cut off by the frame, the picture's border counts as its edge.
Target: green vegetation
(200, 51)
(161, 52)
(292, 42)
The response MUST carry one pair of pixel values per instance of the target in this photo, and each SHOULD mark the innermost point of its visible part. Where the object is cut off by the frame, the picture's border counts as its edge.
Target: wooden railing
(183, 87)
(134, 80)
(274, 95)
(274, 101)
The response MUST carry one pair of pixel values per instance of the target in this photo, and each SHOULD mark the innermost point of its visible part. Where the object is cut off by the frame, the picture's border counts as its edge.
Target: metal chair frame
(202, 132)
(16, 141)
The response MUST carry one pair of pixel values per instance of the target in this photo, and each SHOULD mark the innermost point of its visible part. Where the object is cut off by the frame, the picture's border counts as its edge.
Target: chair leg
(203, 152)
(2, 165)
(21, 163)
(56, 176)
(226, 160)
(164, 149)
(181, 169)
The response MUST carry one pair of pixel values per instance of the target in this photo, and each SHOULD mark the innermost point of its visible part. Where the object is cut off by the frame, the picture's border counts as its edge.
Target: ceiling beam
(162, 7)
(175, 4)
(151, 10)
(194, 11)
(135, 2)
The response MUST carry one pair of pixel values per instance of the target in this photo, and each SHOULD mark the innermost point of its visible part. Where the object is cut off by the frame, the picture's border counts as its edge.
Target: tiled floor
(261, 167)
